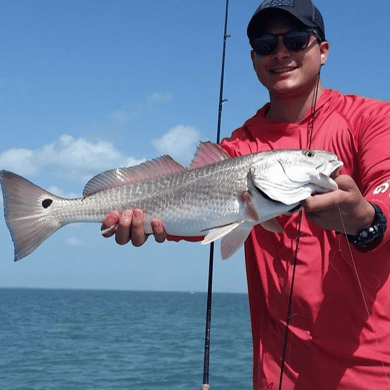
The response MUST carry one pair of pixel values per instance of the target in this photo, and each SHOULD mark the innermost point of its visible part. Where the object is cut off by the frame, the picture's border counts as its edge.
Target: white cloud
(74, 241)
(19, 160)
(160, 97)
(179, 142)
(78, 159)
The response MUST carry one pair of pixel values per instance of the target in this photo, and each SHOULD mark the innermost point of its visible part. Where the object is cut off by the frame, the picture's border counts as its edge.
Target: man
(338, 336)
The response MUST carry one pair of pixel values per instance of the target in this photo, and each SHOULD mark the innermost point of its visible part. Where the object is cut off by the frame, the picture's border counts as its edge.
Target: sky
(87, 86)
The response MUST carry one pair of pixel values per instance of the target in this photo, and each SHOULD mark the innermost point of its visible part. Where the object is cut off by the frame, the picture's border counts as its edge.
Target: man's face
(287, 73)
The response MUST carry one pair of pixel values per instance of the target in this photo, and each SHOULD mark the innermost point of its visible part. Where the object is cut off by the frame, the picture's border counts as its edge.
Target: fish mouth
(327, 173)
(336, 172)
(331, 168)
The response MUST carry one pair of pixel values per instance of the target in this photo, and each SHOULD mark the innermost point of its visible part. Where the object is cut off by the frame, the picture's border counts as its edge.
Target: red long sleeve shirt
(339, 335)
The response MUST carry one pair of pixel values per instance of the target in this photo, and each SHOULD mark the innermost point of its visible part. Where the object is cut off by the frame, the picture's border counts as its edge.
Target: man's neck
(292, 109)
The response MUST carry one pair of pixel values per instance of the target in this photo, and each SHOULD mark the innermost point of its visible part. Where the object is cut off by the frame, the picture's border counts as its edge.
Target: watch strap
(373, 234)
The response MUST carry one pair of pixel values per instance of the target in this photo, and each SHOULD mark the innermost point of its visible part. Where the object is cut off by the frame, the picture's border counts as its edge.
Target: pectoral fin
(235, 239)
(219, 232)
(272, 225)
(249, 208)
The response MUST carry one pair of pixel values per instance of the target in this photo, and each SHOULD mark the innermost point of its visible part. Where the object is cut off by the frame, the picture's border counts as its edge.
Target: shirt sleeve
(373, 125)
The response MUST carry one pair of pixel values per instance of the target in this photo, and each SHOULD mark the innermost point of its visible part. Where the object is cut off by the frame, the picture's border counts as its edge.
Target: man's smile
(282, 70)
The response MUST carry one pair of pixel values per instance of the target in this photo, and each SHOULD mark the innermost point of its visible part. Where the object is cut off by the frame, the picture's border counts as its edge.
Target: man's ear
(324, 50)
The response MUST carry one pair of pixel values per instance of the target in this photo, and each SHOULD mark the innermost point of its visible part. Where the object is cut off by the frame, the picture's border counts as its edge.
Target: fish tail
(27, 213)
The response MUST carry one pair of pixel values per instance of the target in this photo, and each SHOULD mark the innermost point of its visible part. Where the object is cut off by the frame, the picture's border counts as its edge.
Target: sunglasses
(294, 40)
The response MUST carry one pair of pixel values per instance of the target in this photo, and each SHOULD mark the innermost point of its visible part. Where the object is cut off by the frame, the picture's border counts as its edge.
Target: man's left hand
(344, 210)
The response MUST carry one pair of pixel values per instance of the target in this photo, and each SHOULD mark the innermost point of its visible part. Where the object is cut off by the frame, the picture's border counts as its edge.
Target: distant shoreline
(116, 290)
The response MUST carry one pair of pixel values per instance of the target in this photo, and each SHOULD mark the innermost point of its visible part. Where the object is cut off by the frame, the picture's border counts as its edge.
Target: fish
(215, 197)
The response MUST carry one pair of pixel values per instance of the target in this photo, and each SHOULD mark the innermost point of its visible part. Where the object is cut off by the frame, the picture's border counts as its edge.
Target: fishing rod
(206, 360)
(297, 242)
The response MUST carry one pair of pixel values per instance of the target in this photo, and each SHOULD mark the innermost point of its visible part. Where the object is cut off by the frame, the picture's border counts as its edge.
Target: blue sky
(90, 85)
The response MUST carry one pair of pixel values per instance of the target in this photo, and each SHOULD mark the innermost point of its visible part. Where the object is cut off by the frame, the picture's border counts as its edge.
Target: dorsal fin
(207, 153)
(161, 166)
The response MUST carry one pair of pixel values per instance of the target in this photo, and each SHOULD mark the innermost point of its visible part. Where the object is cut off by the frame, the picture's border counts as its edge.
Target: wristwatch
(370, 237)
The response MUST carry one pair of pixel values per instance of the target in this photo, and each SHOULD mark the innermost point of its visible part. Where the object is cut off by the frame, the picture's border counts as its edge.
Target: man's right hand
(129, 226)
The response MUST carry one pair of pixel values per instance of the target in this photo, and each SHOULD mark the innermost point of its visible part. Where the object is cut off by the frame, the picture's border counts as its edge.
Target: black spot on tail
(47, 202)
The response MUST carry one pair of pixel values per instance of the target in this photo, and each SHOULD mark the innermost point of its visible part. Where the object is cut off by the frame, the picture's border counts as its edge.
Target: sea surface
(87, 339)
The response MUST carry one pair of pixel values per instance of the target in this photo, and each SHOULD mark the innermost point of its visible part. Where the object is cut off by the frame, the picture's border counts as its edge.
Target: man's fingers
(109, 231)
(158, 230)
(320, 202)
(129, 226)
(346, 183)
(348, 192)
(122, 236)
(109, 225)
(138, 236)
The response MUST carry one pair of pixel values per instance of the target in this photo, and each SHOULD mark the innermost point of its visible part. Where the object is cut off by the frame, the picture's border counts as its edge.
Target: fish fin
(161, 166)
(235, 239)
(25, 208)
(219, 232)
(249, 208)
(272, 225)
(208, 153)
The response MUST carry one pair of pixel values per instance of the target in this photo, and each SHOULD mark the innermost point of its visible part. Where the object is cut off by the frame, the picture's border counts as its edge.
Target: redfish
(216, 196)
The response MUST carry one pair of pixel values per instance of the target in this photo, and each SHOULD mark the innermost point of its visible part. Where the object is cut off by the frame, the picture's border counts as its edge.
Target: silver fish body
(216, 196)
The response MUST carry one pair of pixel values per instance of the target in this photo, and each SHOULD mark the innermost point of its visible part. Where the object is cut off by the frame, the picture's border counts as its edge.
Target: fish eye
(308, 153)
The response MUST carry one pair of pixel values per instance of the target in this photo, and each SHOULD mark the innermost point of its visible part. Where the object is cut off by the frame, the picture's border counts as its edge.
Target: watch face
(372, 234)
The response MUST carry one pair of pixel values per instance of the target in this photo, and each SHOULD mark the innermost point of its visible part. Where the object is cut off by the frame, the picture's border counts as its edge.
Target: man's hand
(356, 213)
(129, 226)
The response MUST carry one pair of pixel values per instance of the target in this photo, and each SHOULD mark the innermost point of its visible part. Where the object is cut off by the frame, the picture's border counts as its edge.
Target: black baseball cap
(304, 10)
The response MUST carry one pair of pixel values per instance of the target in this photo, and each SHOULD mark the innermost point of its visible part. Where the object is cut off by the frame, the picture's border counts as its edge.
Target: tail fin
(27, 213)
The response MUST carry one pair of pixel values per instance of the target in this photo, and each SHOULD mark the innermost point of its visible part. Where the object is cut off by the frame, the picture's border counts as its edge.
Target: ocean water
(83, 339)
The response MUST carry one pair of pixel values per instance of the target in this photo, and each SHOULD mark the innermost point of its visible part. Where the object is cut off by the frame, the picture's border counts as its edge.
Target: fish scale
(216, 196)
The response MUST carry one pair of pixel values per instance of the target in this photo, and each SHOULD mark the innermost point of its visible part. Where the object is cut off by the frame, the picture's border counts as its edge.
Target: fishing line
(314, 112)
(289, 304)
(206, 360)
(361, 289)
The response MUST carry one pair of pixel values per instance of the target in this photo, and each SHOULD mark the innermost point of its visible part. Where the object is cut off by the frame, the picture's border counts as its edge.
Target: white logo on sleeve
(382, 188)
